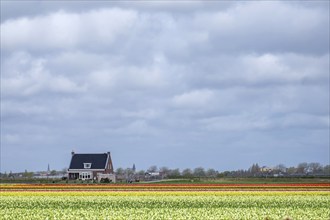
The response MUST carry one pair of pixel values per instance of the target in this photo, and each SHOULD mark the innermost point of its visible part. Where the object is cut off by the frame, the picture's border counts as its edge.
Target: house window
(87, 165)
(85, 175)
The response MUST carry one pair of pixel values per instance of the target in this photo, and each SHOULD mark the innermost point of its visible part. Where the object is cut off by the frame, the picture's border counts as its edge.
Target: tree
(27, 174)
(257, 168)
(211, 173)
(164, 170)
(254, 169)
(199, 172)
(302, 168)
(53, 172)
(120, 171)
(187, 173)
(315, 168)
(174, 173)
(5, 175)
(291, 170)
(223, 174)
(141, 172)
(129, 172)
(281, 168)
(64, 170)
(152, 169)
(326, 169)
(11, 175)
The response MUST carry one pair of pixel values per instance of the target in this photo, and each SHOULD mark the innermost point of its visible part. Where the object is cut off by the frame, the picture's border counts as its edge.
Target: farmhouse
(91, 167)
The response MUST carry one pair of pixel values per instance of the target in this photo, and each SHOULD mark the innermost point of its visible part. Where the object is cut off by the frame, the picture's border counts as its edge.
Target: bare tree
(140, 172)
(291, 170)
(302, 168)
(254, 169)
(326, 169)
(120, 171)
(281, 168)
(129, 172)
(315, 168)
(164, 170)
(187, 173)
(211, 173)
(199, 172)
(27, 174)
(152, 169)
(174, 173)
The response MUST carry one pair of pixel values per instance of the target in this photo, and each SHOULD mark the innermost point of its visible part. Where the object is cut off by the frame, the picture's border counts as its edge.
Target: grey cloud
(146, 80)
(67, 30)
(36, 8)
(278, 30)
(26, 76)
(229, 31)
(259, 70)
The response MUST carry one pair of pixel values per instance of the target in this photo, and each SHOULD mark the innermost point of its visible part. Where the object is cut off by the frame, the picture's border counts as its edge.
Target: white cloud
(29, 77)
(243, 27)
(197, 98)
(63, 30)
(266, 26)
(284, 68)
(261, 69)
(157, 75)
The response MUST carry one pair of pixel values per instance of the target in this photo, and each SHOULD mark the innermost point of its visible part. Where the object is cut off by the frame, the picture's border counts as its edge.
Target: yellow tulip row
(164, 205)
(164, 193)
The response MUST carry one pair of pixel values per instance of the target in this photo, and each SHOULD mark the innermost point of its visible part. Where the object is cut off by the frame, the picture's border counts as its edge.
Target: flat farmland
(165, 201)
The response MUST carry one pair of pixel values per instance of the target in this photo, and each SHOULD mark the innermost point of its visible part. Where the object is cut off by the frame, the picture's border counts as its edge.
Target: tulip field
(165, 201)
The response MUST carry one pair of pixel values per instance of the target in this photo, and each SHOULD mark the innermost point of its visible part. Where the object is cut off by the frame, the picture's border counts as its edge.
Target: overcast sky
(179, 84)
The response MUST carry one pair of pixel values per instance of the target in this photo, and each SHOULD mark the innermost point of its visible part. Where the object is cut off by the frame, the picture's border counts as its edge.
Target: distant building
(91, 167)
(265, 169)
(154, 176)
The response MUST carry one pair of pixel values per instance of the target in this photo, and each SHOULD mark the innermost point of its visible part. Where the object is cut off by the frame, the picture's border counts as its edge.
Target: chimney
(72, 153)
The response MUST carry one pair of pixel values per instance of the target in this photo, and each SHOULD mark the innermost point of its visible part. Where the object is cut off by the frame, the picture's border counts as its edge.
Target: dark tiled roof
(98, 161)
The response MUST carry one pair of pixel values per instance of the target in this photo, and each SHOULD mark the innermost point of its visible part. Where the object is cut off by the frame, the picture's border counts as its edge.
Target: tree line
(255, 170)
(302, 169)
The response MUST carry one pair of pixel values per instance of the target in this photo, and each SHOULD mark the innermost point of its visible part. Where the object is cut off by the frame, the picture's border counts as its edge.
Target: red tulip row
(160, 187)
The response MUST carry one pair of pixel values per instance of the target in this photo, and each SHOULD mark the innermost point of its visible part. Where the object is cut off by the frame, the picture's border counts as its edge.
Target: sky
(213, 84)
